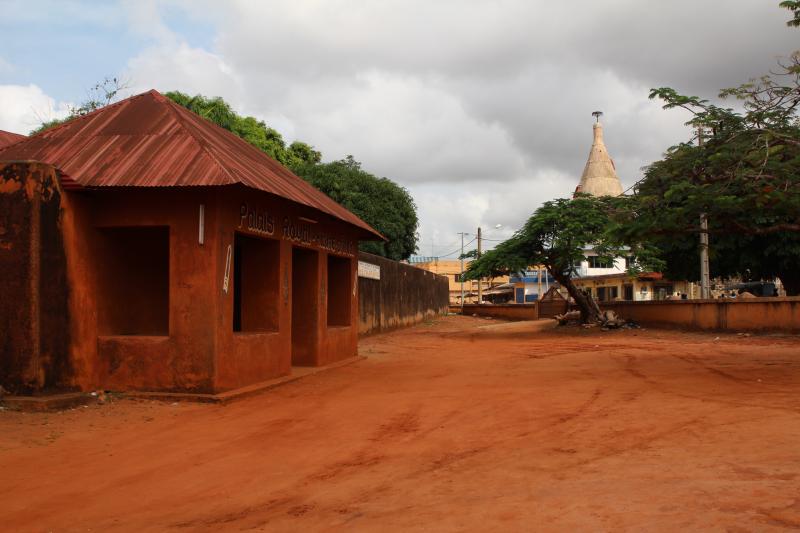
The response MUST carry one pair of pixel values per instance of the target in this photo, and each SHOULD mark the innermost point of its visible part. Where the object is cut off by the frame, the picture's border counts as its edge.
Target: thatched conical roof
(599, 176)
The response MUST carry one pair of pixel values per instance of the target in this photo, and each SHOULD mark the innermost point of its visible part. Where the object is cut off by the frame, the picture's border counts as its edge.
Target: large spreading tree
(742, 171)
(557, 236)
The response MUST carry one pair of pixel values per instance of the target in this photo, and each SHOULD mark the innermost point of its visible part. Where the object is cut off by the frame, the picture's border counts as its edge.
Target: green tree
(794, 7)
(99, 95)
(380, 202)
(744, 175)
(252, 130)
(557, 236)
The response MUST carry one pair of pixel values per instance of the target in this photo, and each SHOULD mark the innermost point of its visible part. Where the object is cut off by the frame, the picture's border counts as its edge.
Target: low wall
(746, 314)
(403, 296)
(503, 311)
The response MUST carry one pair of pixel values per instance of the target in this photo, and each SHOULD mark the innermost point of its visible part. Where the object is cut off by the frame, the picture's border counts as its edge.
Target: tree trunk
(590, 313)
(791, 283)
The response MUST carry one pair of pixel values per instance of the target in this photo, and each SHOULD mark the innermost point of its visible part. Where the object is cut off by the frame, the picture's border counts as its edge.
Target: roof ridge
(144, 145)
(178, 110)
(173, 108)
(73, 120)
(12, 143)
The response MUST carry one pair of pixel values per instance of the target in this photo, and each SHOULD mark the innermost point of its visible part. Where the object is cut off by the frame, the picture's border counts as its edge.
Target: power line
(457, 250)
(446, 246)
(419, 259)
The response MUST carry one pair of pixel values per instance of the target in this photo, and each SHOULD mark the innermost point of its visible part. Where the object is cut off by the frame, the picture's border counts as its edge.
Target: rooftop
(150, 141)
(6, 138)
(599, 176)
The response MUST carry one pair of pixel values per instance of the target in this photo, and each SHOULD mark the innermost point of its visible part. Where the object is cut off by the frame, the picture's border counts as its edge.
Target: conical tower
(599, 176)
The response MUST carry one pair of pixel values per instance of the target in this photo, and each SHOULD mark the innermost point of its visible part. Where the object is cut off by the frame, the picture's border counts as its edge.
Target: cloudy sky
(482, 109)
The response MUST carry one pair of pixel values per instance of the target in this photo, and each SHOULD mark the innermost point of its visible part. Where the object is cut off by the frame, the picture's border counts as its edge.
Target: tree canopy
(380, 202)
(741, 169)
(794, 7)
(386, 206)
(99, 95)
(252, 130)
(557, 236)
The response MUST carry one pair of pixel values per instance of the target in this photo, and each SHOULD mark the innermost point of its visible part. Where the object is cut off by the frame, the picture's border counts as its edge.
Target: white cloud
(24, 107)
(482, 108)
(178, 66)
(6, 68)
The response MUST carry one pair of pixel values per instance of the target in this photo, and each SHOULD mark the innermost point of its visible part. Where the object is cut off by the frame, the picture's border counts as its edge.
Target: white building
(609, 280)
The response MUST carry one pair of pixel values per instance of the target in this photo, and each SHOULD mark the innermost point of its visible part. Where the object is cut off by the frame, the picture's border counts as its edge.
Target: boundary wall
(403, 296)
(502, 311)
(748, 314)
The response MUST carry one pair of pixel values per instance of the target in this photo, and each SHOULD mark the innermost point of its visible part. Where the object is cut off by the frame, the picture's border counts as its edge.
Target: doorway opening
(339, 291)
(256, 271)
(133, 281)
(628, 292)
(305, 281)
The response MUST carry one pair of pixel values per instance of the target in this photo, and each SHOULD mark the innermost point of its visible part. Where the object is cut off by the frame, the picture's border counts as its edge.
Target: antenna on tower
(597, 115)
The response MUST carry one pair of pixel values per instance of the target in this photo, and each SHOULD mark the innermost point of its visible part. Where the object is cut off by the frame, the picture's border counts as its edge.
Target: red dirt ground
(464, 424)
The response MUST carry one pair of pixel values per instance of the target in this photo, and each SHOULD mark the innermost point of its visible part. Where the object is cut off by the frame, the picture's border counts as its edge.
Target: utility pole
(462, 268)
(705, 276)
(480, 280)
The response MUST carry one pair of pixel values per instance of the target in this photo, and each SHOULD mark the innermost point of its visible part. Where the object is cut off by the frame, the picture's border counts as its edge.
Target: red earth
(462, 424)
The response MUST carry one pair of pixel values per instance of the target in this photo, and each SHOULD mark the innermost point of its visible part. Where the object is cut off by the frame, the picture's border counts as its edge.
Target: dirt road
(463, 425)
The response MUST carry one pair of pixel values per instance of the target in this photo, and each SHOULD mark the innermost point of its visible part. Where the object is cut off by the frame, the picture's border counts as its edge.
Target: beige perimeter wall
(752, 314)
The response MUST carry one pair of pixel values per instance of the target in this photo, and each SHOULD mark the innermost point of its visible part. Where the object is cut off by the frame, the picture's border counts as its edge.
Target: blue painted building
(530, 285)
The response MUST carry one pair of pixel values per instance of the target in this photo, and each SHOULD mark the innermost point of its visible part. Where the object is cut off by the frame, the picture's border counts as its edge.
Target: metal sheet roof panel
(149, 141)
(6, 138)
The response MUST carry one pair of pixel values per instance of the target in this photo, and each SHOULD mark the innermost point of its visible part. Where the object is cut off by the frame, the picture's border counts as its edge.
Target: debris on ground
(569, 316)
(608, 320)
(611, 320)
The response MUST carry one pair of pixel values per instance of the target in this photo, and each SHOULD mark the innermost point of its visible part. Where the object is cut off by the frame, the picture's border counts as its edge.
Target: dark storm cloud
(482, 108)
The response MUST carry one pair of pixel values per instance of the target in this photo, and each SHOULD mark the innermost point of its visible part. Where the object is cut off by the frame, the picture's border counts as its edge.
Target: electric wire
(458, 250)
(456, 243)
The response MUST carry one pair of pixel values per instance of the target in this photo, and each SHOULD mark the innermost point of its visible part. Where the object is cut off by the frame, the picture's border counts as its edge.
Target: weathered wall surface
(302, 335)
(114, 288)
(34, 332)
(502, 311)
(404, 296)
(750, 314)
(552, 307)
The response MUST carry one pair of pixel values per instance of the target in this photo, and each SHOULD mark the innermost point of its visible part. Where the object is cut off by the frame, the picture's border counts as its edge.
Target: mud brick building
(144, 248)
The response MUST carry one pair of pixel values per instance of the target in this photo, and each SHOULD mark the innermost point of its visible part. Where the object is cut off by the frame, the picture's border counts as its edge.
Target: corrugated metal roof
(149, 141)
(6, 138)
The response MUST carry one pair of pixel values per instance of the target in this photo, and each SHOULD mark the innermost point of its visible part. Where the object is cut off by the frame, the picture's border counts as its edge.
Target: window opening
(133, 280)
(339, 290)
(256, 280)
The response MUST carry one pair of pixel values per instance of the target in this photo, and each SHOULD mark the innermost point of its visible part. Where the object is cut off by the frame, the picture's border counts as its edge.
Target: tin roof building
(149, 249)
(6, 138)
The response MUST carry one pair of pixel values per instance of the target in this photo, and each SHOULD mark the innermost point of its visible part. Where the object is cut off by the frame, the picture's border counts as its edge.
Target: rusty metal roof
(150, 141)
(6, 138)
